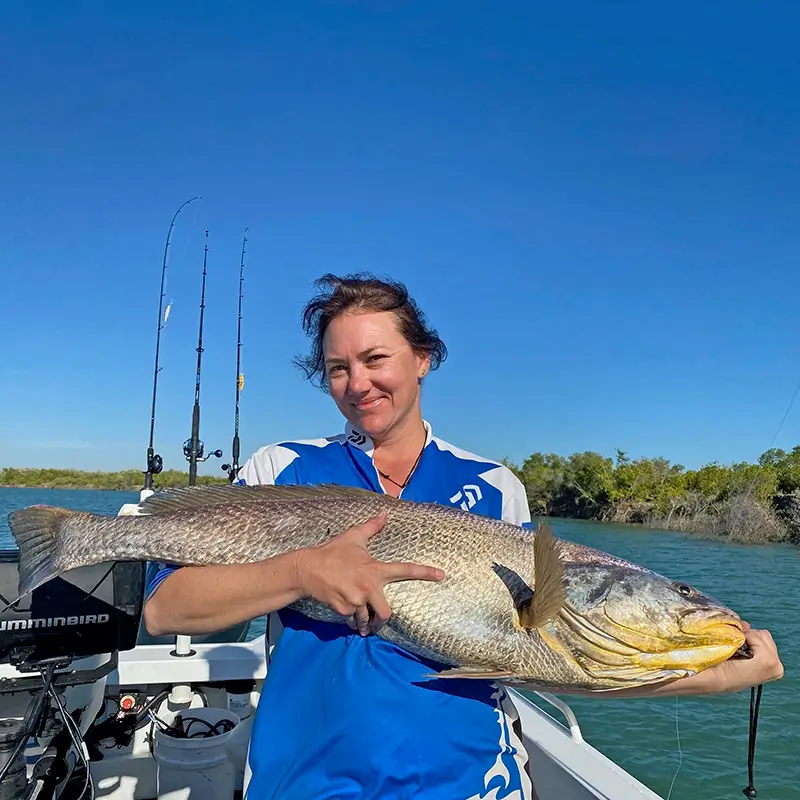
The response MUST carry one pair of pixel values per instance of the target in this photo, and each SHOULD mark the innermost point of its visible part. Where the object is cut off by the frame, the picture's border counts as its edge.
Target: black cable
(755, 705)
(213, 730)
(96, 586)
(77, 741)
(141, 715)
(31, 719)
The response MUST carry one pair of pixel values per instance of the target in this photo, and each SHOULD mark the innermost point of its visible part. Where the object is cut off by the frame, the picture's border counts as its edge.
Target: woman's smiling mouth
(365, 405)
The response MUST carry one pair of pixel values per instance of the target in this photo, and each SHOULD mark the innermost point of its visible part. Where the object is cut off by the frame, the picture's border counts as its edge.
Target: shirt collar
(361, 441)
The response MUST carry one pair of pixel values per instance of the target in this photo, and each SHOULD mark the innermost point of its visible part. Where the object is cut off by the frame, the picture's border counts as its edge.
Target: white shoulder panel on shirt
(458, 452)
(269, 461)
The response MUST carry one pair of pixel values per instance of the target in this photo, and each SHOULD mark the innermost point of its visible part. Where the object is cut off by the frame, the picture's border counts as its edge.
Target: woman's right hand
(342, 574)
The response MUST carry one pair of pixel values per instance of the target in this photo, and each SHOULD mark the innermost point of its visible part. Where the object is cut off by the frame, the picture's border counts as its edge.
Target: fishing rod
(233, 467)
(154, 461)
(193, 447)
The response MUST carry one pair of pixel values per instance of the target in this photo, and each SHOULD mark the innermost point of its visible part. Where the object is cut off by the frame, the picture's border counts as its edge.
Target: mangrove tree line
(741, 502)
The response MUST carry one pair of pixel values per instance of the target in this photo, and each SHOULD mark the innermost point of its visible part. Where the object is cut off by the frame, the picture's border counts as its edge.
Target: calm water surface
(762, 583)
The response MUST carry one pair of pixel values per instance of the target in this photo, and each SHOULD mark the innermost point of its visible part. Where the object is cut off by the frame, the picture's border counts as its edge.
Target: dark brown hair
(363, 292)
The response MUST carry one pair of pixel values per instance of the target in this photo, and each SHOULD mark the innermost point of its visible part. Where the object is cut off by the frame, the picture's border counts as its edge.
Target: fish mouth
(614, 653)
(605, 661)
(710, 640)
(713, 629)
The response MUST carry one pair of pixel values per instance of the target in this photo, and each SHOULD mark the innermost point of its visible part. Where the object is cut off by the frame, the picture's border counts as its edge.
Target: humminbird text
(51, 622)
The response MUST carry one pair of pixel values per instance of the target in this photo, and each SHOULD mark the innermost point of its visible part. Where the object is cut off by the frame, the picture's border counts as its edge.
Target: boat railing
(566, 710)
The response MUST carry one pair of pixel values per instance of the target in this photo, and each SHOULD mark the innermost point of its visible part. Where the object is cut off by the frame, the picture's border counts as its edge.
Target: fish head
(624, 625)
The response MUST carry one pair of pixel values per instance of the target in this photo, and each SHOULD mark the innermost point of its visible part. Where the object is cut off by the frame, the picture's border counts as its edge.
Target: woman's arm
(197, 600)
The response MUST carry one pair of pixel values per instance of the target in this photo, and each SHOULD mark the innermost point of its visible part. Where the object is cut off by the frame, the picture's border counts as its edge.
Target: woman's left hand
(736, 673)
(741, 673)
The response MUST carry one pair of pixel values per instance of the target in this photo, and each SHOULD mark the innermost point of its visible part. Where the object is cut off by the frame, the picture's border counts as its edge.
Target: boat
(121, 699)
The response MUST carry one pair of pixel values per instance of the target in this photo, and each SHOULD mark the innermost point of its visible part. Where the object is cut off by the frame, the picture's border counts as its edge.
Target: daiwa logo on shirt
(467, 497)
(357, 438)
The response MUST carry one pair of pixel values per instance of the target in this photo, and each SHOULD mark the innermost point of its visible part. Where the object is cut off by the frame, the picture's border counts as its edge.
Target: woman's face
(372, 372)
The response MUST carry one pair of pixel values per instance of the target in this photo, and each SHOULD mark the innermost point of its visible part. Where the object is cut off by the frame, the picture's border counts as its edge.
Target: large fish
(515, 605)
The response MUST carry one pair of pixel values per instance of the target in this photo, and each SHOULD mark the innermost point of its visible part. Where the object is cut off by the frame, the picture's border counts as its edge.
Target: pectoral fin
(549, 594)
(470, 672)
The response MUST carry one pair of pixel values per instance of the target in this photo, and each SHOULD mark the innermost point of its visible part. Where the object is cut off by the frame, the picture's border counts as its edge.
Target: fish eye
(684, 590)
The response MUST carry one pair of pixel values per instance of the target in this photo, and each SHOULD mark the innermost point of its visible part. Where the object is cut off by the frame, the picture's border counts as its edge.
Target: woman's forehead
(361, 330)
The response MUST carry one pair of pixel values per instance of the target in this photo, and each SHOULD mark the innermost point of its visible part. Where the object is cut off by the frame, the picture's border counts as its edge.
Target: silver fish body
(515, 605)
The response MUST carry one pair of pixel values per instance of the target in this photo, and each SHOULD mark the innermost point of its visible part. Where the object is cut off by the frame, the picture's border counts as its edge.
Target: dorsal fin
(193, 497)
(549, 594)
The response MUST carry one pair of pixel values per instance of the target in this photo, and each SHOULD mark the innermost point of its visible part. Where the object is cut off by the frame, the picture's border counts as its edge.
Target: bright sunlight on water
(760, 582)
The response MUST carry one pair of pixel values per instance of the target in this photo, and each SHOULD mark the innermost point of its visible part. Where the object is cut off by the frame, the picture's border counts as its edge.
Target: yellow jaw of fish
(709, 641)
(612, 653)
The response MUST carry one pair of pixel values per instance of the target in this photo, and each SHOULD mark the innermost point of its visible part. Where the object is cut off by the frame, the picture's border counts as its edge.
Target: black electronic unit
(85, 612)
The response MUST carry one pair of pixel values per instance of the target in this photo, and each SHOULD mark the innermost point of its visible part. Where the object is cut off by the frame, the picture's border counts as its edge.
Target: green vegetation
(130, 480)
(741, 502)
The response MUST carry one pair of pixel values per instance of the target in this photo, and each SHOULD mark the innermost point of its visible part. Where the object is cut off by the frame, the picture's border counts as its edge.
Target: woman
(344, 714)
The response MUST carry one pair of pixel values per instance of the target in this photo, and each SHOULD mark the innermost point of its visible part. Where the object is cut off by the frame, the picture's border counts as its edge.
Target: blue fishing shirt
(344, 716)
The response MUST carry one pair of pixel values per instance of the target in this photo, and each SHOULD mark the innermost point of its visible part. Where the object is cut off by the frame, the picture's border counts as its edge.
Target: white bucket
(196, 768)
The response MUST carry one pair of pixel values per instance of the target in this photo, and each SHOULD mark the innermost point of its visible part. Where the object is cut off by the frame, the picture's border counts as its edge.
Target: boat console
(65, 634)
(90, 611)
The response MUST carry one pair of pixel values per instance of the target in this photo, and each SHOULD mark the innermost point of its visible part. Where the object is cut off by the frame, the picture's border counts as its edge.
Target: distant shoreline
(129, 480)
(70, 488)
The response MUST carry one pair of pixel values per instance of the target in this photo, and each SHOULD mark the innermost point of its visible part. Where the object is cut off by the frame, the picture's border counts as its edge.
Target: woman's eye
(376, 357)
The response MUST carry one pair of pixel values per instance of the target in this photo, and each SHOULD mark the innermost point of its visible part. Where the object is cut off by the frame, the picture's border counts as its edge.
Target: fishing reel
(155, 464)
(231, 471)
(198, 454)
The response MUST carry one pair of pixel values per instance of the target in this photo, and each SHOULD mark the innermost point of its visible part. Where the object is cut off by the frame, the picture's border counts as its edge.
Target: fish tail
(37, 531)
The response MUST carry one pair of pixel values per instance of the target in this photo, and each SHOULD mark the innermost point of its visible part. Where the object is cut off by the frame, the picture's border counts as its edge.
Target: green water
(641, 735)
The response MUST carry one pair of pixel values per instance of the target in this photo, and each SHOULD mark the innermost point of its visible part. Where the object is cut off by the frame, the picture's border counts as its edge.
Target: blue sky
(594, 203)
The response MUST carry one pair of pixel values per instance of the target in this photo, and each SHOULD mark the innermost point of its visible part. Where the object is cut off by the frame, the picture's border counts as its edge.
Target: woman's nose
(358, 381)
